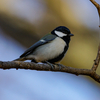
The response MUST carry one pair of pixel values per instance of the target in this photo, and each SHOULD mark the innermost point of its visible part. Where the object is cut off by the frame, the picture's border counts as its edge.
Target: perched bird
(50, 49)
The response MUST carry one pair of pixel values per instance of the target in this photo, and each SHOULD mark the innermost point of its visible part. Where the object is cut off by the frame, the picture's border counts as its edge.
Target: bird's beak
(71, 34)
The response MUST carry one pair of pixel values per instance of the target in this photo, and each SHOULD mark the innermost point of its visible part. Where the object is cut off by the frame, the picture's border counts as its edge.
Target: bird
(50, 49)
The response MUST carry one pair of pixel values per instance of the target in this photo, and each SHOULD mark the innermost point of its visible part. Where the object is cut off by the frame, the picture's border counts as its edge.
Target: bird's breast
(50, 50)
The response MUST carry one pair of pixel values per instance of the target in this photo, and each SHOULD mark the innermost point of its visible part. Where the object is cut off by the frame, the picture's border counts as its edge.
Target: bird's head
(61, 32)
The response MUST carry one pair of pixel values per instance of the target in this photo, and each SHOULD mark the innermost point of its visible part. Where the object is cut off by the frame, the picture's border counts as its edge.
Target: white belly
(49, 51)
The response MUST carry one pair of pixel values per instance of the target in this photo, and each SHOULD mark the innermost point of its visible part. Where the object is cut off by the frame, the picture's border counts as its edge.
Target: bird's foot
(52, 65)
(59, 66)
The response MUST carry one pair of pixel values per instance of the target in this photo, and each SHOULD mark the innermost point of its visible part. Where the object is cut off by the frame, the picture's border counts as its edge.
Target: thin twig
(96, 62)
(96, 5)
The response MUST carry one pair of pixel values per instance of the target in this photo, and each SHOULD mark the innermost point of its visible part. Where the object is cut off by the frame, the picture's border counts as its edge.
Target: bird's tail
(20, 59)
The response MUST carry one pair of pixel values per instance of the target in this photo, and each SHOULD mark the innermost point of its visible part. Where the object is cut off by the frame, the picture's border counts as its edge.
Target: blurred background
(23, 22)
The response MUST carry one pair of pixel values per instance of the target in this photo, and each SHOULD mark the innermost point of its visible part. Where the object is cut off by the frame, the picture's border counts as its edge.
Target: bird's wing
(47, 38)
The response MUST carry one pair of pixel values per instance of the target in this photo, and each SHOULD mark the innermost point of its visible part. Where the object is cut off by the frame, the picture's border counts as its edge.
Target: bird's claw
(52, 66)
(59, 66)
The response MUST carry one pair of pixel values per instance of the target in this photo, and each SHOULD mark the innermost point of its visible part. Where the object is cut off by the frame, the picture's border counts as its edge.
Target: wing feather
(42, 41)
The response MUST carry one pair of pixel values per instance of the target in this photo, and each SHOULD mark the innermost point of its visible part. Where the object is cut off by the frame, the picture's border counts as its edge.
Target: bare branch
(96, 62)
(96, 5)
(46, 67)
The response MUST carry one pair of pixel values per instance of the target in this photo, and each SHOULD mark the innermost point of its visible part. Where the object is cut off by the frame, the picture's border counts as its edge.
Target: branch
(96, 5)
(46, 67)
(96, 62)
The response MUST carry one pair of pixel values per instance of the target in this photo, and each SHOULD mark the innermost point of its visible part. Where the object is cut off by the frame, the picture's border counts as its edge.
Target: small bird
(49, 49)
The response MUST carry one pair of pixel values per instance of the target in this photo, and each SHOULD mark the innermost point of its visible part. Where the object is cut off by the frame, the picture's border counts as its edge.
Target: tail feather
(20, 59)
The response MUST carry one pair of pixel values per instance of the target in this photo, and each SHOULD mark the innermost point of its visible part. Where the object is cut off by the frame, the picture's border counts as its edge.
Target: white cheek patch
(60, 34)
